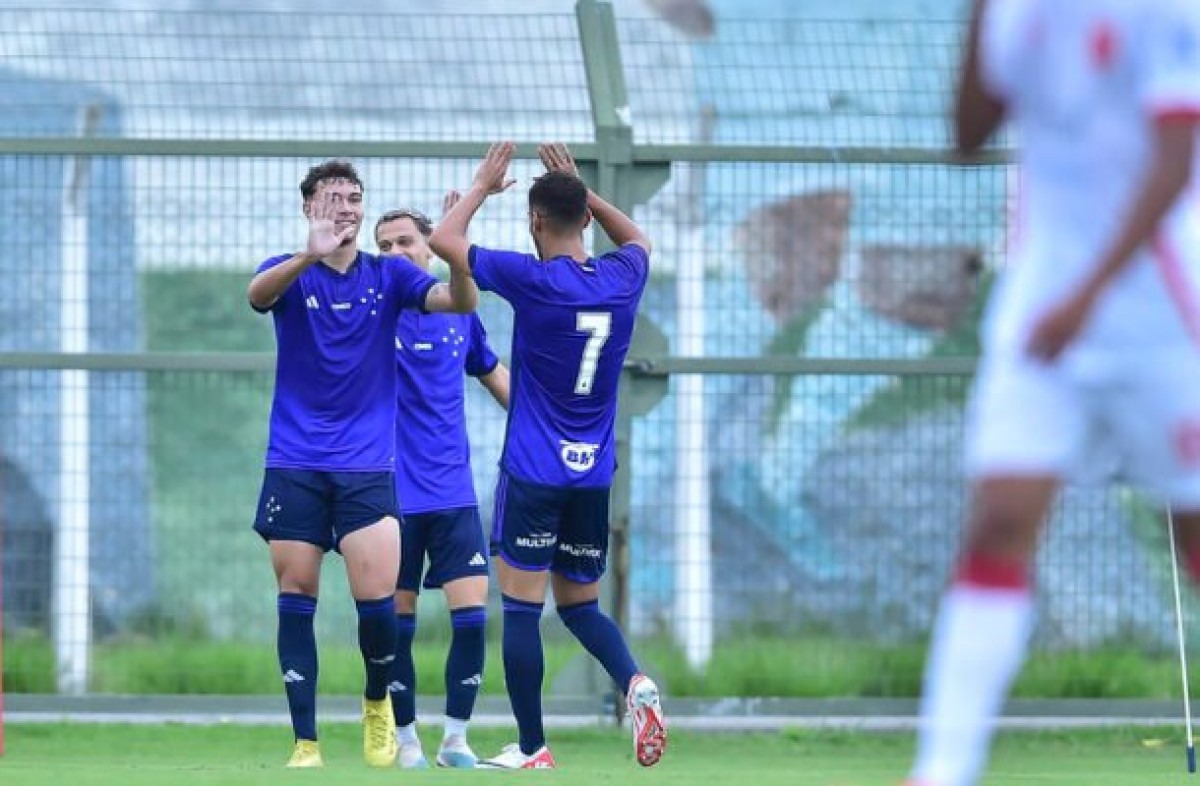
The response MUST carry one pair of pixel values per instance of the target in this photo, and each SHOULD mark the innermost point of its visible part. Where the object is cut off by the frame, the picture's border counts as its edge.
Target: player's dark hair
(334, 169)
(560, 198)
(419, 219)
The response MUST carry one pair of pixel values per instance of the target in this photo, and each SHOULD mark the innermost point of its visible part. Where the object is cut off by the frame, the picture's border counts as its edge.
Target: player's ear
(306, 208)
(587, 219)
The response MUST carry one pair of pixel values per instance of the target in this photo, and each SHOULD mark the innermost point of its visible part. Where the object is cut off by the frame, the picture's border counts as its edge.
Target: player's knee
(1001, 530)
(405, 602)
(299, 583)
(572, 614)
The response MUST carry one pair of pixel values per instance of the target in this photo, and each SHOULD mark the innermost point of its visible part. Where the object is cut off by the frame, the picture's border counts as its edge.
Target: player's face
(348, 205)
(400, 236)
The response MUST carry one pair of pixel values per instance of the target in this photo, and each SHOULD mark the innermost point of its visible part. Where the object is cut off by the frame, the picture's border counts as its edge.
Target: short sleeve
(1004, 28)
(1171, 64)
(633, 259)
(410, 284)
(481, 360)
(502, 272)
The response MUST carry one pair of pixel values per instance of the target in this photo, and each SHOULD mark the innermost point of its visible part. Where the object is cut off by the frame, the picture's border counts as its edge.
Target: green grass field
(116, 755)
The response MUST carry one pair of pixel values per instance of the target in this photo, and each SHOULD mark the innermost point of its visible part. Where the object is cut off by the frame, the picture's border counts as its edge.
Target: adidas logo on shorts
(477, 560)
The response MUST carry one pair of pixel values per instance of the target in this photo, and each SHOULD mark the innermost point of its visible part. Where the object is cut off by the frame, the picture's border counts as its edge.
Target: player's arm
(269, 285)
(497, 382)
(1169, 174)
(449, 238)
(619, 227)
(977, 111)
(459, 296)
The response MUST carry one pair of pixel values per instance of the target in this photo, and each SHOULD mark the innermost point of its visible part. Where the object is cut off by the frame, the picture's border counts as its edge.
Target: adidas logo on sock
(291, 675)
(477, 560)
(385, 660)
(474, 679)
(396, 686)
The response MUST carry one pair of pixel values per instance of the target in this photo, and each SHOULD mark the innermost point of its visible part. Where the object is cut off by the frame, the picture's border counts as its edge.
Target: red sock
(988, 571)
(1191, 561)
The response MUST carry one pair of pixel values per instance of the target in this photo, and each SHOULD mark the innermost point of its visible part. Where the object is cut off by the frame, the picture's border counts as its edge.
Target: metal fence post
(627, 184)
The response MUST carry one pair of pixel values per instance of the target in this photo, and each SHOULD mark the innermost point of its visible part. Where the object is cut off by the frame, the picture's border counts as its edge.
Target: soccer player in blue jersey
(573, 320)
(437, 496)
(329, 479)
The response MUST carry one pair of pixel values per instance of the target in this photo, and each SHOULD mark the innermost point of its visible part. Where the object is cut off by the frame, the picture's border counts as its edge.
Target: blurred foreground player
(1092, 330)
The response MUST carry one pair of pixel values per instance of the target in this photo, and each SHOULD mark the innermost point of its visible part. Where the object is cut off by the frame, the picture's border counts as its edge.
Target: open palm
(323, 237)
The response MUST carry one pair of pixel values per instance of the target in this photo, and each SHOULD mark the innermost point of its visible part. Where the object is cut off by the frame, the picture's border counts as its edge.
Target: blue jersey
(335, 380)
(572, 323)
(433, 351)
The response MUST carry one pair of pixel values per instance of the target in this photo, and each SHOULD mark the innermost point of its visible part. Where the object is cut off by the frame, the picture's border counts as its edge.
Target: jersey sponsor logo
(1187, 443)
(1103, 45)
(581, 550)
(578, 456)
(538, 540)
(342, 306)
(423, 346)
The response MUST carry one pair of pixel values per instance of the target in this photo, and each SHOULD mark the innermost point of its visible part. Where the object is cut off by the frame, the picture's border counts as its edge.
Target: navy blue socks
(297, 648)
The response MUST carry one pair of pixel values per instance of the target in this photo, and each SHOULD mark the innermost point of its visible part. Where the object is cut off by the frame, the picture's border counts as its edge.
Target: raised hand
(450, 200)
(323, 239)
(1055, 331)
(492, 175)
(557, 158)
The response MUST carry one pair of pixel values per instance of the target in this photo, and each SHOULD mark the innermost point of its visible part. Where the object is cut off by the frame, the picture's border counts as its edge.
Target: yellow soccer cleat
(307, 754)
(379, 733)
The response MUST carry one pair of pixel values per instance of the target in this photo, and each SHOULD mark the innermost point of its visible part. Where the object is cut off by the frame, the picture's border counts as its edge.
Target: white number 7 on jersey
(597, 325)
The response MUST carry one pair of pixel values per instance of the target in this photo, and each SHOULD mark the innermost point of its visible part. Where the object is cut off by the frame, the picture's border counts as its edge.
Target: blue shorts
(558, 528)
(321, 507)
(454, 541)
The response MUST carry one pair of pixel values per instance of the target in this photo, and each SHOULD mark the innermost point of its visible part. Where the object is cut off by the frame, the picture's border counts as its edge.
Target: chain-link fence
(817, 261)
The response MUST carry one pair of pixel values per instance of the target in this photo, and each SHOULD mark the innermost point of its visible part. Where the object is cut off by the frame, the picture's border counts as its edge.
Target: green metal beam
(139, 361)
(647, 358)
(609, 147)
(798, 366)
(259, 148)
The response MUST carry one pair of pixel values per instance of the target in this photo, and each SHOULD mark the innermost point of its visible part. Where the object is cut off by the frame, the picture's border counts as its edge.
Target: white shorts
(1134, 416)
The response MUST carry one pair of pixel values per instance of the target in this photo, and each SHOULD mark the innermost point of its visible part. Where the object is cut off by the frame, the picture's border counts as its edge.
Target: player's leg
(459, 565)
(403, 684)
(1156, 416)
(1027, 424)
(982, 630)
(524, 537)
(578, 566)
(294, 521)
(368, 534)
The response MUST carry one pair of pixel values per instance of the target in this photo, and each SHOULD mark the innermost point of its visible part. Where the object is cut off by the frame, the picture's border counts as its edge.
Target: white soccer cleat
(511, 758)
(455, 752)
(649, 724)
(411, 755)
